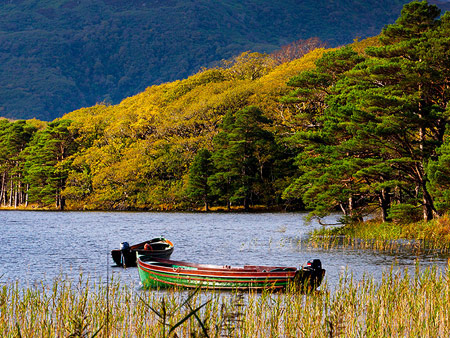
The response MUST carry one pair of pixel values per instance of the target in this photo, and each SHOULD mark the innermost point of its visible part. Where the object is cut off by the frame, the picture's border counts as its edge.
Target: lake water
(39, 246)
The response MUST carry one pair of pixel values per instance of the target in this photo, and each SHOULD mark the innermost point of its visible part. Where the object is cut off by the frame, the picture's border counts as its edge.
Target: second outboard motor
(124, 253)
(124, 246)
(313, 264)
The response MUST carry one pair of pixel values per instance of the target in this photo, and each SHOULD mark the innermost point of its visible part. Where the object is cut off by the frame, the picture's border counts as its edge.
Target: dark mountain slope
(56, 56)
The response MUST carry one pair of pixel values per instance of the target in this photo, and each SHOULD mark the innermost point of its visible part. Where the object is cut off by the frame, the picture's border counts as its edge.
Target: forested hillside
(362, 128)
(58, 56)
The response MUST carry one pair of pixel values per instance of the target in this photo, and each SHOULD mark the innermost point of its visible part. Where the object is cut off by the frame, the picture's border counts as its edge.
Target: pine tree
(199, 172)
(381, 122)
(14, 138)
(243, 151)
(325, 179)
(390, 102)
(46, 166)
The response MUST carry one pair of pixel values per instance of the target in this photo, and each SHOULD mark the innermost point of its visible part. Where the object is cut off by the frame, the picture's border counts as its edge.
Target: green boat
(156, 272)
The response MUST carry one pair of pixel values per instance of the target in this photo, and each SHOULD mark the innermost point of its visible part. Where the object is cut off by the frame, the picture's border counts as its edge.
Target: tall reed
(401, 304)
(421, 237)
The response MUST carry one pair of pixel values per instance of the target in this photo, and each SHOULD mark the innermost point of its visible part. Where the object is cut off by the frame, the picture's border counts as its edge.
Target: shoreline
(237, 209)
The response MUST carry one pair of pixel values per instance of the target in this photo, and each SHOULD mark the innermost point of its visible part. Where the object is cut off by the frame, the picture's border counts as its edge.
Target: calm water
(41, 246)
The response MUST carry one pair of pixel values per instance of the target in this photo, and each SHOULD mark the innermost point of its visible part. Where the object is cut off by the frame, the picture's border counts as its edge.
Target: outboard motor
(124, 246)
(310, 276)
(124, 253)
(313, 264)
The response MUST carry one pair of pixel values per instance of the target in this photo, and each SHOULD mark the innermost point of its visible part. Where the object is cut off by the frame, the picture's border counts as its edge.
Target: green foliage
(326, 180)
(243, 155)
(14, 138)
(47, 163)
(371, 124)
(438, 172)
(199, 172)
(405, 213)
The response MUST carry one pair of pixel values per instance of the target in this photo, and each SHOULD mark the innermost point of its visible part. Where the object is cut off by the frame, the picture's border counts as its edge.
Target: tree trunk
(350, 206)
(385, 202)
(11, 192)
(16, 195)
(3, 190)
(344, 211)
(429, 211)
(62, 203)
(26, 195)
(246, 204)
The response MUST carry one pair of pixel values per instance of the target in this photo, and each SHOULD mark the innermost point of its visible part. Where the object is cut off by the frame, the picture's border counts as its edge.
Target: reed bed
(391, 246)
(401, 304)
(418, 238)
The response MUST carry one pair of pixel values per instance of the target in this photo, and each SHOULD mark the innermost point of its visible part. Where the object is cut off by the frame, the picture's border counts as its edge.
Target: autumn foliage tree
(297, 49)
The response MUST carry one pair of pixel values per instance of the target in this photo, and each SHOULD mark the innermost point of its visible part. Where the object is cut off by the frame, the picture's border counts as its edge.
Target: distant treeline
(362, 128)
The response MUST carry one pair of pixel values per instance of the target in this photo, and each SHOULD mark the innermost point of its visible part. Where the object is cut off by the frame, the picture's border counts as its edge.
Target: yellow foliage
(139, 151)
(360, 46)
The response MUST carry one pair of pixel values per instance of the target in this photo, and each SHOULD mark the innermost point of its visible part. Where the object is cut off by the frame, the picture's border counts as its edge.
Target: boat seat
(283, 269)
(159, 246)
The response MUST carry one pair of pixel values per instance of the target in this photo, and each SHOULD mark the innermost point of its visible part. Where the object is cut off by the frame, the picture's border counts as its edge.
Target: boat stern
(310, 276)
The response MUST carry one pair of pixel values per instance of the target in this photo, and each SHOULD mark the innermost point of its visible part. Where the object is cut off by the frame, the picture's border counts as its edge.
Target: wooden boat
(156, 247)
(169, 273)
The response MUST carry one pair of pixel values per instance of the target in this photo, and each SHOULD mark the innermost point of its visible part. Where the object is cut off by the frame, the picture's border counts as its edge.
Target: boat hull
(161, 248)
(175, 274)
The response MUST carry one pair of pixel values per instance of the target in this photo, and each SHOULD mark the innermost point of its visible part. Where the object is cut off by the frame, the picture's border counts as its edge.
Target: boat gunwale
(253, 269)
(138, 246)
(185, 273)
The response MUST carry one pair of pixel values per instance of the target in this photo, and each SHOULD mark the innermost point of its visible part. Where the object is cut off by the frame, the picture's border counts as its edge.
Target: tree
(199, 172)
(325, 179)
(249, 66)
(439, 177)
(438, 59)
(311, 88)
(381, 121)
(395, 94)
(243, 153)
(46, 167)
(296, 49)
(14, 138)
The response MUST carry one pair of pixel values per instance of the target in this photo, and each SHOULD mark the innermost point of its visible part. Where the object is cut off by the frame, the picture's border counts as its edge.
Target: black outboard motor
(124, 246)
(312, 265)
(125, 252)
(310, 276)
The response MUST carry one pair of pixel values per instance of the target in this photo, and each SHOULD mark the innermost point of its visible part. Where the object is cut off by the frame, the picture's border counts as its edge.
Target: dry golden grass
(398, 305)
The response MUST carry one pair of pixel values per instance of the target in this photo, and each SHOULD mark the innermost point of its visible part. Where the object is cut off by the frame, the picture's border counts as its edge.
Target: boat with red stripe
(157, 272)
